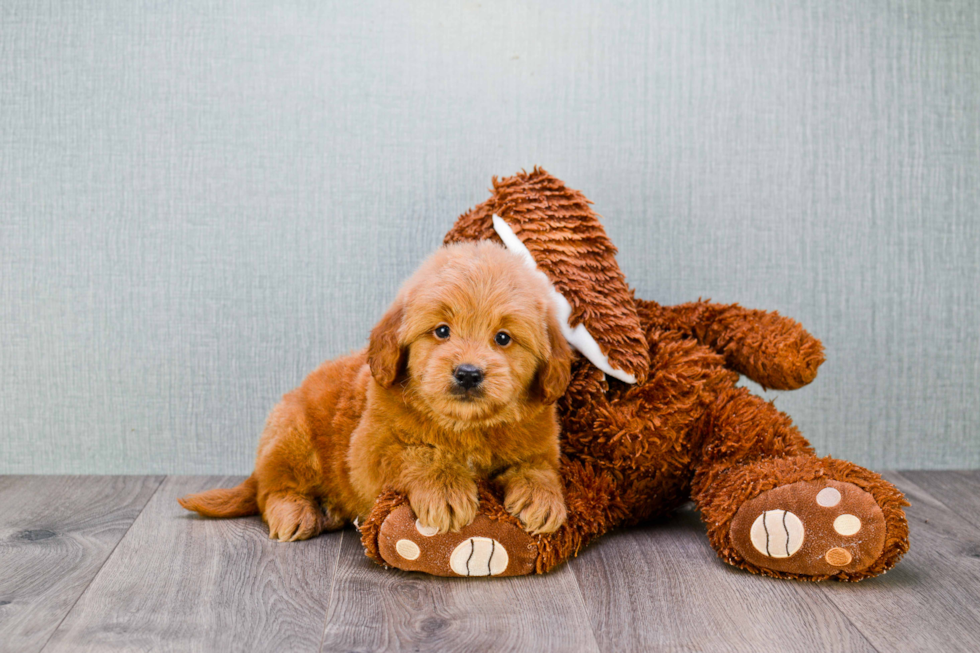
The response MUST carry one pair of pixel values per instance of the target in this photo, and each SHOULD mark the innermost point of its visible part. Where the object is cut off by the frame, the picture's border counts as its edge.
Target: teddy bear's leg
(494, 544)
(772, 507)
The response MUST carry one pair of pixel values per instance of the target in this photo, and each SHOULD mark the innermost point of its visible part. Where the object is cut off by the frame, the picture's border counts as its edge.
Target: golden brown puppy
(457, 384)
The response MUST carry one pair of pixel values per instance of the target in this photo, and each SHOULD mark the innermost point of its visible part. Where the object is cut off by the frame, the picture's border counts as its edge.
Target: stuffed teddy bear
(653, 418)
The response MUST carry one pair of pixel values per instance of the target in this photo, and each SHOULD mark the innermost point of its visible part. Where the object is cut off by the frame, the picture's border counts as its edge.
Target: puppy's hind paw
(293, 517)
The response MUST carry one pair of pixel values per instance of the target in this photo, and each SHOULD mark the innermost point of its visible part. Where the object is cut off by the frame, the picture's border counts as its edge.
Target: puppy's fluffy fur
(401, 414)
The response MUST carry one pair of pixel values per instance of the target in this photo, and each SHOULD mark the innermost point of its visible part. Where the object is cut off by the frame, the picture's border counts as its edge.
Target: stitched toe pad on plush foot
(483, 548)
(811, 528)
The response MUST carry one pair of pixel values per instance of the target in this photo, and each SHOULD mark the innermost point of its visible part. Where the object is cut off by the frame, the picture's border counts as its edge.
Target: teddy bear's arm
(772, 350)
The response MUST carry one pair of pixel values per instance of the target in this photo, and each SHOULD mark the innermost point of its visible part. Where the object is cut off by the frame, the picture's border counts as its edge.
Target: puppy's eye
(502, 338)
(442, 331)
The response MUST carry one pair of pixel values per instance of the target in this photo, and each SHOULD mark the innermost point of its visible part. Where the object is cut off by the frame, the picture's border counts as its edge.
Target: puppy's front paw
(541, 509)
(446, 508)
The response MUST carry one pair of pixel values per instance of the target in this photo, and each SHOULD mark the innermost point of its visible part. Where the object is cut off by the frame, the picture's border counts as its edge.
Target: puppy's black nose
(468, 376)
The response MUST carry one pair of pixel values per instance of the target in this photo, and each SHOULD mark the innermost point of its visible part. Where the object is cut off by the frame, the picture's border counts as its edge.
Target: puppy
(457, 384)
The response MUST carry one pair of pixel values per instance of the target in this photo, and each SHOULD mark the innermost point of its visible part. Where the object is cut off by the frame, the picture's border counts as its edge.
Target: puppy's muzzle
(468, 377)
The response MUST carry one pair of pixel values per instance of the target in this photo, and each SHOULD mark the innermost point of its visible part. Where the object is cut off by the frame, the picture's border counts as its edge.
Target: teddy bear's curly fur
(684, 431)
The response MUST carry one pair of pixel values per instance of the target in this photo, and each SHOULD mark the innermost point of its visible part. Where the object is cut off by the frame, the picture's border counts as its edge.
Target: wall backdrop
(201, 201)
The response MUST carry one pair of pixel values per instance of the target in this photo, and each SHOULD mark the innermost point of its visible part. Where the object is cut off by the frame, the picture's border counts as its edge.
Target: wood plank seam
(102, 566)
(333, 591)
(825, 587)
(581, 598)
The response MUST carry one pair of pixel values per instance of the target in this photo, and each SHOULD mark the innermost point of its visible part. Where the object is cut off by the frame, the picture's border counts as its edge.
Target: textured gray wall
(199, 202)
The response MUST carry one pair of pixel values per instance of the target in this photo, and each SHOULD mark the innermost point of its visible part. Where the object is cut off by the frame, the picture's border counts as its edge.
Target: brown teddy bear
(653, 418)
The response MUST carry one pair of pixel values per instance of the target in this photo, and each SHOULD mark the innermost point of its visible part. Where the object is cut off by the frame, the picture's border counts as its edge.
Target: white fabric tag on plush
(578, 337)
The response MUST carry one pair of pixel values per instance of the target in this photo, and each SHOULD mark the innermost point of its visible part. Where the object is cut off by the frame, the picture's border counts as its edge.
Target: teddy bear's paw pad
(777, 533)
(485, 547)
(479, 556)
(811, 528)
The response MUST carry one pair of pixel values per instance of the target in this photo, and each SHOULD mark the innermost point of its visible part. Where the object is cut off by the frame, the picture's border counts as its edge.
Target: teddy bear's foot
(495, 543)
(810, 528)
(485, 547)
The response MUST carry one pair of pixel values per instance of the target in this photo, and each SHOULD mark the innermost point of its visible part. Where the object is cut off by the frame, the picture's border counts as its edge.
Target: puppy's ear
(555, 371)
(386, 354)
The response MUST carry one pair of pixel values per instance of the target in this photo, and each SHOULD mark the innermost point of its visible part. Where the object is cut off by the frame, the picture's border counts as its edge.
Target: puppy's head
(472, 338)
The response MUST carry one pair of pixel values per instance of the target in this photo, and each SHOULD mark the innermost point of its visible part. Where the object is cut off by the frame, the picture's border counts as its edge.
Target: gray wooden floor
(113, 563)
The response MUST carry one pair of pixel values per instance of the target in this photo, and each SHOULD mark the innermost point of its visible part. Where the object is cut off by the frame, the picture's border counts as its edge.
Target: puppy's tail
(225, 502)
